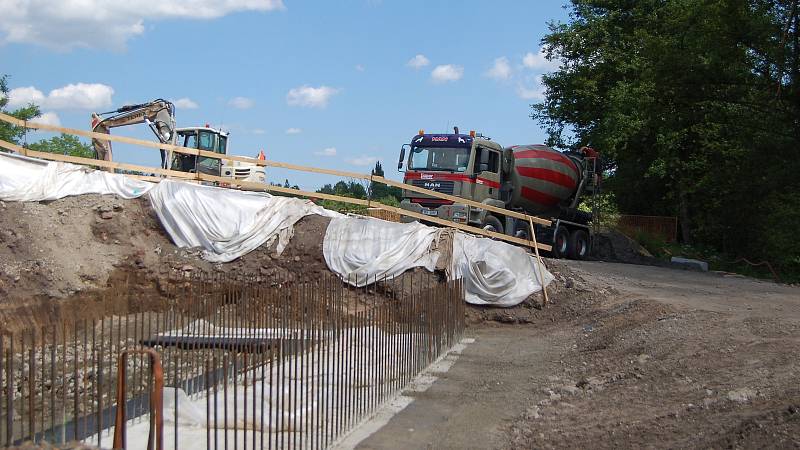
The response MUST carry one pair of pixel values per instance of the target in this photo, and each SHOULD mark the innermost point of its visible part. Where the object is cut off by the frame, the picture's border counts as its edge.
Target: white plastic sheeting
(361, 250)
(227, 223)
(27, 179)
(495, 272)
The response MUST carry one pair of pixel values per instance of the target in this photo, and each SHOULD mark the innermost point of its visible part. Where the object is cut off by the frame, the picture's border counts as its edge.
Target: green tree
(8, 132)
(381, 191)
(694, 106)
(66, 144)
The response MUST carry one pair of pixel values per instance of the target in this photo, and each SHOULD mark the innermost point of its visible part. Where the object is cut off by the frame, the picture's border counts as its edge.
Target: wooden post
(539, 259)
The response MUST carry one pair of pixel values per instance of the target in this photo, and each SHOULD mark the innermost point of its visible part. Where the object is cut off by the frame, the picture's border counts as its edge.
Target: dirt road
(667, 359)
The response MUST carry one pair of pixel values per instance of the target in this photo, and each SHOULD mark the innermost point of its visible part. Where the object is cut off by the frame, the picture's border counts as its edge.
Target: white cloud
(330, 151)
(311, 97)
(293, 131)
(72, 96)
(501, 69)
(49, 118)
(68, 24)
(23, 96)
(258, 131)
(535, 92)
(363, 161)
(538, 61)
(241, 102)
(418, 62)
(359, 68)
(447, 72)
(185, 103)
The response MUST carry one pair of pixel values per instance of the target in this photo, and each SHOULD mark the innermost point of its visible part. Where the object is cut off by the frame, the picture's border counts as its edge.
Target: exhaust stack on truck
(533, 179)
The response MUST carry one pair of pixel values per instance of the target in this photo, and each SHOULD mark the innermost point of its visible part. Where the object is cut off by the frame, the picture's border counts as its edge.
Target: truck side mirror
(402, 157)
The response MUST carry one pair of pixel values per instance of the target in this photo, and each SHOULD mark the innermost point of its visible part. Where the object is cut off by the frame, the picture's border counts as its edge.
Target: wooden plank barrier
(266, 187)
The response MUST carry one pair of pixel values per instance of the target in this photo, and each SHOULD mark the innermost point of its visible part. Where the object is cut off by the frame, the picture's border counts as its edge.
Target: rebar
(273, 362)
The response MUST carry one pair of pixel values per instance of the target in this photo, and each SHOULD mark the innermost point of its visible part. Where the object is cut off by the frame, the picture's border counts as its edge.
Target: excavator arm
(158, 114)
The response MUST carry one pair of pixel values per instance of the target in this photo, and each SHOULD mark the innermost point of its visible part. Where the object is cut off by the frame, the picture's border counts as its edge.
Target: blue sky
(296, 79)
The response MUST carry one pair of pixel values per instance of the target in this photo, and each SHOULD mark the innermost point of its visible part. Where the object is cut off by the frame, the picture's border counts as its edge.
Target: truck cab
(463, 165)
(212, 140)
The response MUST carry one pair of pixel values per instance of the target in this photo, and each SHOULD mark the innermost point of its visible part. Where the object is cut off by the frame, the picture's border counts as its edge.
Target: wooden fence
(664, 227)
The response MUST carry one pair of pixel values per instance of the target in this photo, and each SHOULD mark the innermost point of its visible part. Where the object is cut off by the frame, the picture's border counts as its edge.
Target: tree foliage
(695, 106)
(8, 132)
(66, 144)
(391, 194)
(377, 192)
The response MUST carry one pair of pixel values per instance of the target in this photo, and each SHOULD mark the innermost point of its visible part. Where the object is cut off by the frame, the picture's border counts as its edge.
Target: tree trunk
(683, 216)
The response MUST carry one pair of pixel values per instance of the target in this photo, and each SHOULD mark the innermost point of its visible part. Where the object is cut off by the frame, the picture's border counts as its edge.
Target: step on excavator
(159, 115)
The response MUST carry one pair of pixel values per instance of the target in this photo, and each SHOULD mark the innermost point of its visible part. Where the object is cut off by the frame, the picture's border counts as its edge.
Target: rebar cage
(245, 361)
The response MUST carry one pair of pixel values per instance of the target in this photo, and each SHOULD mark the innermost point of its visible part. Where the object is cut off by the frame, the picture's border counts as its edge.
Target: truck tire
(492, 223)
(561, 247)
(579, 244)
(522, 231)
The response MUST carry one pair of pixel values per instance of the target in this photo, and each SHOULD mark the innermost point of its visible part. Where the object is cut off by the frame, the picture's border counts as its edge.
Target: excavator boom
(158, 114)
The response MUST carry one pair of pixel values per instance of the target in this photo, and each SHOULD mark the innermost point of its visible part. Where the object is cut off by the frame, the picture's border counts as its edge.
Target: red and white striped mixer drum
(543, 178)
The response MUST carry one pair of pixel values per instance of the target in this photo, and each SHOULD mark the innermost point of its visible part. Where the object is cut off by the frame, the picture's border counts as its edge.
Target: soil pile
(570, 290)
(611, 245)
(75, 249)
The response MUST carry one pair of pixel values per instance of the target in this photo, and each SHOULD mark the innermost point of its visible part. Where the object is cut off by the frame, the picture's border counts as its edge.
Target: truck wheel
(523, 231)
(561, 244)
(492, 223)
(578, 245)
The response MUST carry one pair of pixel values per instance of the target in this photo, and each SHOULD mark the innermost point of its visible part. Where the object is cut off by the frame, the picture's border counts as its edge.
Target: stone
(106, 215)
(688, 263)
(742, 395)
(567, 389)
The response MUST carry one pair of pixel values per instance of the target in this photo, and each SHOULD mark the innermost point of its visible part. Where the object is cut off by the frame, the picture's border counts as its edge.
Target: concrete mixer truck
(533, 179)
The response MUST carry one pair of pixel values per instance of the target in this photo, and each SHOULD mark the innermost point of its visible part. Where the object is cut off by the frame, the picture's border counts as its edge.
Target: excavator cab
(201, 138)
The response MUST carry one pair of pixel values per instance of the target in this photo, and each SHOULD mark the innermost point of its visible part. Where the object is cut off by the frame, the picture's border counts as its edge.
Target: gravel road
(668, 358)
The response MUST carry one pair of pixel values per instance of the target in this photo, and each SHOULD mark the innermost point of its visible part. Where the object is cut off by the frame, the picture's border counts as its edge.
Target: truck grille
(445, 187)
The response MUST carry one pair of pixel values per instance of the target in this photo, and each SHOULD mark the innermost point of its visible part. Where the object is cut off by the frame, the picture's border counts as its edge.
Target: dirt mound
(60, 248)
(611, 245)
(569, 290)
(78, 248)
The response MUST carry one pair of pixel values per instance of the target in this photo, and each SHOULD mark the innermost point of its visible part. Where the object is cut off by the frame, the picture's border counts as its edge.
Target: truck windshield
(450, 159)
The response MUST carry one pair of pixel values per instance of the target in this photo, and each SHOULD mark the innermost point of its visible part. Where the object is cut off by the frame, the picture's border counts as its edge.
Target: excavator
(159, 115)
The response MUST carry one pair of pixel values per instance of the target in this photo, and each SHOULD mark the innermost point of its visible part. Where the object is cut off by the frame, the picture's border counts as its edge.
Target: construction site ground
(624, 356)
(629, 356)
